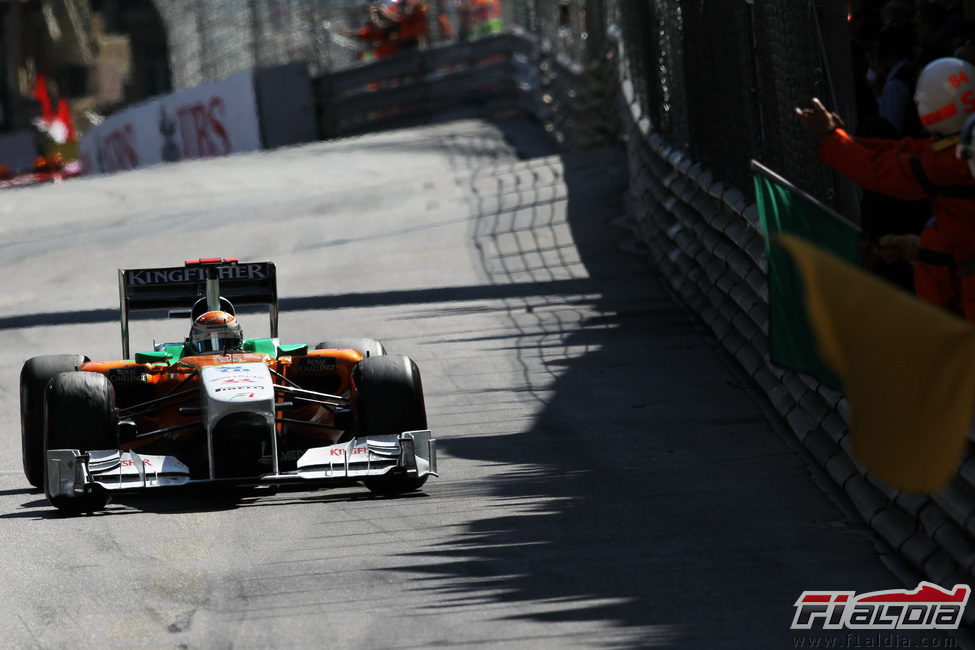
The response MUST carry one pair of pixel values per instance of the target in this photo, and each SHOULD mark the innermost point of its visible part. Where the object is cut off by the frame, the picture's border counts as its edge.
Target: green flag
(783, 208)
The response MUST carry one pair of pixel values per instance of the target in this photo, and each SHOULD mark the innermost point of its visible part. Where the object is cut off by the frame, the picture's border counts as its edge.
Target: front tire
(34, 377)
(79, 413)
(389, 401)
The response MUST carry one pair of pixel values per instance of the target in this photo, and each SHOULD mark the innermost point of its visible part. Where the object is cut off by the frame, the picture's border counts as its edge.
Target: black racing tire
(366, 347)
(34, 377)
(79, 413)
(389, 401)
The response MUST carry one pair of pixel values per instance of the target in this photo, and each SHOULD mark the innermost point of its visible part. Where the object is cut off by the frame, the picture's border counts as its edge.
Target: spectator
(964, 39)
(480, 18)
(966, 51)
(892, 64)
(487, 17)
(376, 35)
(411, 24)
(897, 12)
(934, 33)
(884, 217)
(913, 168)
(863, 40)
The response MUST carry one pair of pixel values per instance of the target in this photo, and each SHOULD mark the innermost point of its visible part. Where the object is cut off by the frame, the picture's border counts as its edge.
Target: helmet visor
(216, 344)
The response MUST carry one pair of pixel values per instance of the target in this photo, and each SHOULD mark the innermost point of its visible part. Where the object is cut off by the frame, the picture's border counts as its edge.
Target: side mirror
(160, 356)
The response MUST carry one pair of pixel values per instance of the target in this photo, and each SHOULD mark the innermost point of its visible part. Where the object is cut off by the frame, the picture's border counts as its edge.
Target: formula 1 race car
(218, 408)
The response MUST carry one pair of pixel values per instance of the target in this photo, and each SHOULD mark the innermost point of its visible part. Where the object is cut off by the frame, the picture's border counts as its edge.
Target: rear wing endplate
(178, 287)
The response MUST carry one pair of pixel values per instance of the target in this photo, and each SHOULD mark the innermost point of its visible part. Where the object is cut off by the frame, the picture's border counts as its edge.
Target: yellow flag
(907, 367)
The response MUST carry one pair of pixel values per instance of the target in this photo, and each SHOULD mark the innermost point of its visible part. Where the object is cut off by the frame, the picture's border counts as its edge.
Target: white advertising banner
(215, 119)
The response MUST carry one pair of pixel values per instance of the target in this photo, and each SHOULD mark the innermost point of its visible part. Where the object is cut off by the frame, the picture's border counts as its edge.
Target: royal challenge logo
(929, 607)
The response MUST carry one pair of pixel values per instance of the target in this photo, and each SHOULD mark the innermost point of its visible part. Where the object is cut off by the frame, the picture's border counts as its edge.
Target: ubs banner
(215, 119)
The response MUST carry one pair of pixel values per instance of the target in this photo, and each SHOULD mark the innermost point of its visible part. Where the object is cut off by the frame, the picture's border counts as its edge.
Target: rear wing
(178, 287)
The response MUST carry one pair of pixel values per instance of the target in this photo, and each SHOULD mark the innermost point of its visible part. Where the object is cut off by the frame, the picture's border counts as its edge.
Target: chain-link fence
(718, 80)
(210, 39)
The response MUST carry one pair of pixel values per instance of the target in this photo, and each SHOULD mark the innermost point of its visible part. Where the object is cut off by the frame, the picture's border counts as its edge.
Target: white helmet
(215, 331)
(945, 95)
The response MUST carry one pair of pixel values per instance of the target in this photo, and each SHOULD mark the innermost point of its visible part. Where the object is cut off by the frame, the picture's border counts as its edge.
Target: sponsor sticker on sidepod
(928, 607)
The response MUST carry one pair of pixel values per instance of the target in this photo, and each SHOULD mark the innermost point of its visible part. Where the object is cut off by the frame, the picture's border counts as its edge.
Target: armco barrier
(509, 71)
(437, 83)
(707, 241)
(215, 119)
(236, 114)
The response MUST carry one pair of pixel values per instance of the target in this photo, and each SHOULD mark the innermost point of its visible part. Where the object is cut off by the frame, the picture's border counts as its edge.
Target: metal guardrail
(434, 84)
(510, 71)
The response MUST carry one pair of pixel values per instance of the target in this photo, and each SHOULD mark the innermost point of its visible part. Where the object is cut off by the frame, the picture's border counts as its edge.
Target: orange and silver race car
(218, 408)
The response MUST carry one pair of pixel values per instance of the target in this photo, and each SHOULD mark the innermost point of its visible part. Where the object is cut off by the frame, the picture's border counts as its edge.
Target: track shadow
(26, 490)
(666, 498)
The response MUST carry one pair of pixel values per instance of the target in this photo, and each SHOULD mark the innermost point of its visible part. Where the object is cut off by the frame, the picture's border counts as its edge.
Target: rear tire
(34, 377)
(368, 348)
(79, 413)
(390, 401)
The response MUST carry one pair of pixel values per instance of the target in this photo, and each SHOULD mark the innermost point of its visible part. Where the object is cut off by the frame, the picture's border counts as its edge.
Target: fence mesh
(718, 80)
(210, 39)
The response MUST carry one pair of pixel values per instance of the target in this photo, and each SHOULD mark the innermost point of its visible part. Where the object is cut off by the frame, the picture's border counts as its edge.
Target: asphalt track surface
(608, 478)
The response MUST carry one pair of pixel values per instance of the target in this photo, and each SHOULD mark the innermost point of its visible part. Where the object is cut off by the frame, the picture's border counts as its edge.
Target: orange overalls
(914, 168)
(382, 46)
(412, 26)
(936, 277)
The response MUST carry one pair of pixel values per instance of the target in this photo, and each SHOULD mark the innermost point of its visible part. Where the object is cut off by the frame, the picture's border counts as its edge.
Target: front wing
(74, 475)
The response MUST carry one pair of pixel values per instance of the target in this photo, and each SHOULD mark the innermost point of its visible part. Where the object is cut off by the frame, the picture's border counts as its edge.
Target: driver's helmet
(215, 331)
(945, 95)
